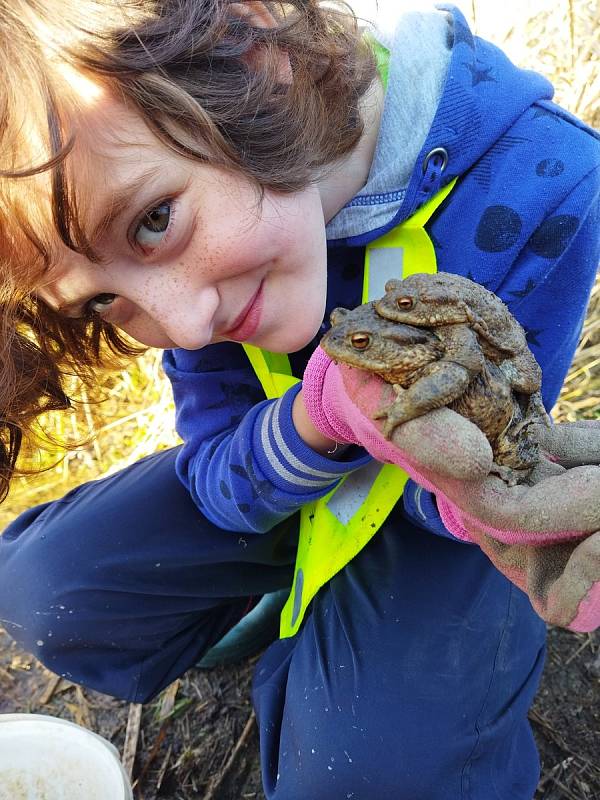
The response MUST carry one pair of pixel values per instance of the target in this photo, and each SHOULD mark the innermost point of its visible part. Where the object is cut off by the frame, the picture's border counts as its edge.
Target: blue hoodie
(523, 221)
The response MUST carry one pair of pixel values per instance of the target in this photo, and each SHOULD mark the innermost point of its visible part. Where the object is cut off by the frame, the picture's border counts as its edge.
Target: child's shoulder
(545, 154)
(555, 126)
(524, 200)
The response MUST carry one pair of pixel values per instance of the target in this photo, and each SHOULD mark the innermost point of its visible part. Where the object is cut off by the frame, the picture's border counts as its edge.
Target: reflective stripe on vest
(336, 527)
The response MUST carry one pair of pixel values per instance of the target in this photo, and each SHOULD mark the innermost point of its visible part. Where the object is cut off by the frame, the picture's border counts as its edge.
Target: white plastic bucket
(45, 758)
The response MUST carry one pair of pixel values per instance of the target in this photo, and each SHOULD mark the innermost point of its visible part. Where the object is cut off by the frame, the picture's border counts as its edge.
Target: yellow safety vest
(336, 527)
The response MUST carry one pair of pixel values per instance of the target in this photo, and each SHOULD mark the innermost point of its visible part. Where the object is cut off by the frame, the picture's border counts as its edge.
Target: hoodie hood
(447, 89)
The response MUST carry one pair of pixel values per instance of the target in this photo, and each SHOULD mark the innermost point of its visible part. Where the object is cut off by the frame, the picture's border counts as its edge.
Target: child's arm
(243, 461)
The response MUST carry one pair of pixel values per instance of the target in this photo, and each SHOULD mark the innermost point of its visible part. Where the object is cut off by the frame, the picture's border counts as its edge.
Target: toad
(398, 353)
(414, 360)
(470, 320)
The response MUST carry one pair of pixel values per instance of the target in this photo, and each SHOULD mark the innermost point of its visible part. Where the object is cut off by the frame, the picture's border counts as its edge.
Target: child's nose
(185, 315)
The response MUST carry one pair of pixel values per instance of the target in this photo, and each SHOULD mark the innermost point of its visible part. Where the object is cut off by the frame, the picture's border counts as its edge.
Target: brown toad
(471, 321)
(425, 378)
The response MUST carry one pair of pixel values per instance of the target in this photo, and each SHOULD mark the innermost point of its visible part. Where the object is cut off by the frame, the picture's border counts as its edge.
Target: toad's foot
(536, 412)
(510, 476)
(398, 412)
(440, 384)
(523, 372)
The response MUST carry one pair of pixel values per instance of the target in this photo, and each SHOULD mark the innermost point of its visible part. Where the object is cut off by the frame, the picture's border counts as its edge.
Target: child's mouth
(248, 320)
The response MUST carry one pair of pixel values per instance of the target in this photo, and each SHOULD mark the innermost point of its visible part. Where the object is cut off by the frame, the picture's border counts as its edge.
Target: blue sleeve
(242, 461)
(547, 288)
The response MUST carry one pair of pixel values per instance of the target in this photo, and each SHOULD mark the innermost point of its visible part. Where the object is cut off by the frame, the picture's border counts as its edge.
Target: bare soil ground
(198, 740)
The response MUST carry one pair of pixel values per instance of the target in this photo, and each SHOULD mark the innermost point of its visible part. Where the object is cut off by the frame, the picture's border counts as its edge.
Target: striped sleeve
(288, 462)
(242, 460)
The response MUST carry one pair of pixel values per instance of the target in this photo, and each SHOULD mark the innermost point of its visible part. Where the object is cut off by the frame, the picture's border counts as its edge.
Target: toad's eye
(153, 226)
(360, 341)
(404, 303)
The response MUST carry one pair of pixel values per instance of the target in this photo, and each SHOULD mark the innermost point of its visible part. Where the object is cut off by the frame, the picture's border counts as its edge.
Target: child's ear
(258, 15)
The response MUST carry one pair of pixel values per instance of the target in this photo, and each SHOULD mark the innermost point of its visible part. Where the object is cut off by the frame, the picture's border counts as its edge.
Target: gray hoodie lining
(418, 66)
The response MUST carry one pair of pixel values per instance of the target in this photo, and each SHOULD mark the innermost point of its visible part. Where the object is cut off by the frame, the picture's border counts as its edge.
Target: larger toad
(468, 318)
(415, 362)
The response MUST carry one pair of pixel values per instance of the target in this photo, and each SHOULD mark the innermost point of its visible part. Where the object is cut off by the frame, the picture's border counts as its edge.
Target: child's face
(189, 256)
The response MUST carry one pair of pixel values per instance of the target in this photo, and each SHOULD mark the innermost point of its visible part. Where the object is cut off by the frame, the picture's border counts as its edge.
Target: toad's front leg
(440, 384)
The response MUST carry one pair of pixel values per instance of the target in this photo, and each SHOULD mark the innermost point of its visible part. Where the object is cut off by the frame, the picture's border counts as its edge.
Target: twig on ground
(574, 655)
(132, 735)
(567, 793)
(167, 703)
(80, 709)
(220, 777)
(50, 690)
(85, 713)
(153, 753)
(550, 730)
(163, 768)
(548, 775)
(573, 766)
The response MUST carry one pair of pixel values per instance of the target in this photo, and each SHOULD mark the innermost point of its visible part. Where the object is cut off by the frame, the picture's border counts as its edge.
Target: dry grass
(137, 417)
(580, 397)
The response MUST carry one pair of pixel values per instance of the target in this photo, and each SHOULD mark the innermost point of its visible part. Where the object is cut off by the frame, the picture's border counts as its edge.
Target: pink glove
(327, 389)
(449, 456)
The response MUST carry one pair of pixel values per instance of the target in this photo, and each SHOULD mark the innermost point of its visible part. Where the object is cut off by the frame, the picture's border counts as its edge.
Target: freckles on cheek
(205, 256)
(147, 332)
(188, 269)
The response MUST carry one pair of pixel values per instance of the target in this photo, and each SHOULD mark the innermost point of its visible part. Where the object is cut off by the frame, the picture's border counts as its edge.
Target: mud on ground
(198, 739)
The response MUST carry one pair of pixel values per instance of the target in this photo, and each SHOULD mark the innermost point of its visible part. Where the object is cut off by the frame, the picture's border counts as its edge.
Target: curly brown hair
(205, 79)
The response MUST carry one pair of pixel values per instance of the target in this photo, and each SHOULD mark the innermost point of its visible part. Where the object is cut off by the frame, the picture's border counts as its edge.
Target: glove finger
(443, 443)
(562, 580)
(574, 598)
(532, 514)
(570, 443)
(545, 469)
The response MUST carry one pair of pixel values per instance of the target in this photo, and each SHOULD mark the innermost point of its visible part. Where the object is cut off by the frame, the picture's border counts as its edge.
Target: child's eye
(153, 226)
(100, 303)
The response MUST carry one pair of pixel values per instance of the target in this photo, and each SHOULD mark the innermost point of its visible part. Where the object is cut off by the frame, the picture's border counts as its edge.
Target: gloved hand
(538, 536)
(562, 580)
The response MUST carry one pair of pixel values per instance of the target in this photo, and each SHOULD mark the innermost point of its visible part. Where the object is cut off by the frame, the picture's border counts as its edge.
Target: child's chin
(291, 341)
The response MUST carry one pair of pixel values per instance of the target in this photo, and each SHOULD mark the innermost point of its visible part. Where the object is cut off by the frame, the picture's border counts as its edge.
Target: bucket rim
(48, 719)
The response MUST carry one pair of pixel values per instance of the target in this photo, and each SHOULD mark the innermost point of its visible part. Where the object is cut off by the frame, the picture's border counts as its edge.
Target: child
(228, 167)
